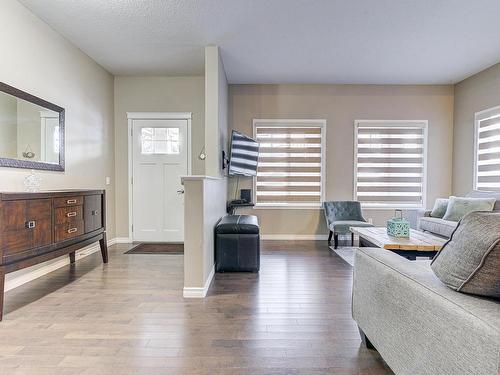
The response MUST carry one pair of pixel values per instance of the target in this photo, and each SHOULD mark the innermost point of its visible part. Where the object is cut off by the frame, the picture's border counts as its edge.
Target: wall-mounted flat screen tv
(244, 155)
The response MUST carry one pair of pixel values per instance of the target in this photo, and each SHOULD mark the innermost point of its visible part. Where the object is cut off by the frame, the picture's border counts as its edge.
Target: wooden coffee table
(419, 244)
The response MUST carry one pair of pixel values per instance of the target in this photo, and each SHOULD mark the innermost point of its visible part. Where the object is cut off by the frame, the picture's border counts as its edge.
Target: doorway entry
(159, 154)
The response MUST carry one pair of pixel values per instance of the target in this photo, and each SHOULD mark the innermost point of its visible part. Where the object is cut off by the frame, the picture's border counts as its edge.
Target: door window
(163, 141)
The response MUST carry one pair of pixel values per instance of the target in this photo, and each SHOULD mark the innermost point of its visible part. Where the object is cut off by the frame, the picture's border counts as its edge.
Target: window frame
(392, 123)
(319, 123)
(478, 117)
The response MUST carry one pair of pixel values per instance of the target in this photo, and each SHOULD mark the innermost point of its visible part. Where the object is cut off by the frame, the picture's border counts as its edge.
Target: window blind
(290, 167)
(487, 158)
(390, 163)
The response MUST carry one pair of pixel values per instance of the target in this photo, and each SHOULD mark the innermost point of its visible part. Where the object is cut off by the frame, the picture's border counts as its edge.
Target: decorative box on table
(398, 226)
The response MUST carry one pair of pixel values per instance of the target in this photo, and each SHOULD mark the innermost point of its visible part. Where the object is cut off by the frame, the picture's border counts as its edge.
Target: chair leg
(352, 239)
(365, 340)
(330, 238)
(335, 240)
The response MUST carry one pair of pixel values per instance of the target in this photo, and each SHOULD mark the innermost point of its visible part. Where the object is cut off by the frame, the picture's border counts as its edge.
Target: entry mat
(157, 248)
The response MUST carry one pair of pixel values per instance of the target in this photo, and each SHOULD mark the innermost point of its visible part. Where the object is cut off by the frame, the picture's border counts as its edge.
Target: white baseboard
(294, 237)
(51, 265)
(199, 292)
(123, 240)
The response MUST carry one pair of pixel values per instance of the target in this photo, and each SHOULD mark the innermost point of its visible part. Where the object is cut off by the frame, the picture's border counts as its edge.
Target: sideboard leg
(104, 248)
(72, 257)
(2, 284)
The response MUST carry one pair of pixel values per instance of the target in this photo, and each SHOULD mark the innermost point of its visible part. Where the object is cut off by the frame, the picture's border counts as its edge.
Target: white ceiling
(285, 41)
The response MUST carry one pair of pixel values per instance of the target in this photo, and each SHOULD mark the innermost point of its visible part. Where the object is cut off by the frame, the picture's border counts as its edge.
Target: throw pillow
(439, 208)
(470, 261)
(458, 207)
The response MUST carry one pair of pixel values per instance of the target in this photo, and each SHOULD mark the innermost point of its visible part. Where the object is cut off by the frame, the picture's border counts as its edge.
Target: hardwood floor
(129, 317)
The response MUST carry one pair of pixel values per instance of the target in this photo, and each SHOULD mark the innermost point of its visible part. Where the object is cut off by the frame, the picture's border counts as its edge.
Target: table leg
(104, 248)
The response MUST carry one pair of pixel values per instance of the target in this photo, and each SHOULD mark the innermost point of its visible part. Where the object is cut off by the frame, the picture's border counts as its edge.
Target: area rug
(157, 248)
(346, 253)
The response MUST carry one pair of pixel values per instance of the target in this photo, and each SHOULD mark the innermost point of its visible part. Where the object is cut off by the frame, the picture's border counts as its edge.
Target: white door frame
(131, 116)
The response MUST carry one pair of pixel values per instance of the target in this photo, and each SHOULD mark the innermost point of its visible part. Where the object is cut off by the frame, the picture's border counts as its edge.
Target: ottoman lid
(238, 224)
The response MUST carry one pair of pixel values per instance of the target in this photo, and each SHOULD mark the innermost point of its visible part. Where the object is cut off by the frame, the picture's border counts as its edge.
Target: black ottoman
(237, 244)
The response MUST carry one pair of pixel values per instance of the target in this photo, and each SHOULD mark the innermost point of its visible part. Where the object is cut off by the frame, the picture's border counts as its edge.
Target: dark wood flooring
(129, 317)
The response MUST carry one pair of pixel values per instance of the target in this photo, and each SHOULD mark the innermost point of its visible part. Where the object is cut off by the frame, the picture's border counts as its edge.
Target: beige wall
(38, 60)
(340, 105)
(474, 94)
(154, 94)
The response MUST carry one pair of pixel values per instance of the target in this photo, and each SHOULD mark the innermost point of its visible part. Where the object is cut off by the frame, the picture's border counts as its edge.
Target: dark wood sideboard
(37, 227)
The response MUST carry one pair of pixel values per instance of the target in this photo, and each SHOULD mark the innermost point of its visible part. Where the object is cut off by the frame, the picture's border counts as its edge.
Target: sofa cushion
(470, 261)
(439, 208)
(342, 226)
(443, 228)
(458, 207)
(486, 194)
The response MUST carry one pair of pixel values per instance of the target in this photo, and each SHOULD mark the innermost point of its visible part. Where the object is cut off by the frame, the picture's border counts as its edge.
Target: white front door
(160, 158)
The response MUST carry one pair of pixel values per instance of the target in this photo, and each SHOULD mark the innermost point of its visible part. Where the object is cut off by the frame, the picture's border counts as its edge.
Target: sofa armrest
(413, 216)
(417, 324)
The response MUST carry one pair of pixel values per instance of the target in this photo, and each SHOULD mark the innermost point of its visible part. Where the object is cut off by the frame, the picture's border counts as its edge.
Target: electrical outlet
(108, 180)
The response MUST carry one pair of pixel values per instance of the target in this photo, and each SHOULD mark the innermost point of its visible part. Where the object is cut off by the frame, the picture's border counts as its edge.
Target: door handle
(180, 191)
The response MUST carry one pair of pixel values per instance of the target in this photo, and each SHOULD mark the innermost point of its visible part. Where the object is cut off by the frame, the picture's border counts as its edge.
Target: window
(290, 171)
(390, 163)
(487, 150)
(159, 141)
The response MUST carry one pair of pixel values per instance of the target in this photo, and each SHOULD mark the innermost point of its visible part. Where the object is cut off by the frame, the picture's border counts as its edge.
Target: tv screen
(244, 155)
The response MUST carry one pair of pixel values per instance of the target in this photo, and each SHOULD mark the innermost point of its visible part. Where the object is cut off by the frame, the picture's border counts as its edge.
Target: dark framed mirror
(31, 131)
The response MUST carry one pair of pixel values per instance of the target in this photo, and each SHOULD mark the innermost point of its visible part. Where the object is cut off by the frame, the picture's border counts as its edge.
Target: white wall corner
(190, 292)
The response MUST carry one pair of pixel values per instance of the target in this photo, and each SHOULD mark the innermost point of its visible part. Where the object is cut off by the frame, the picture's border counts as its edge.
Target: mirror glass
(29, 132)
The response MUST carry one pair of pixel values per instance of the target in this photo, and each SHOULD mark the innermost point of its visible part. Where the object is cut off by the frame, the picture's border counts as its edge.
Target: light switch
(108, 180)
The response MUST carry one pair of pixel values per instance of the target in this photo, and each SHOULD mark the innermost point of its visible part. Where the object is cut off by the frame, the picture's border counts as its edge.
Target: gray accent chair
(340, 216)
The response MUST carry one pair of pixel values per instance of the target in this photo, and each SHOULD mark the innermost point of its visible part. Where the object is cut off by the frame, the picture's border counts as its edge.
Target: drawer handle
(30, 224)
(72, 230)
(71, 214)
(95, 212)
(71, 201)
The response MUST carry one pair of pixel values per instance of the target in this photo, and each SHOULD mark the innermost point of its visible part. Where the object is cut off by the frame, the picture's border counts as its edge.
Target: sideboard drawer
(68, 201)
(68, 214)
(68, 230)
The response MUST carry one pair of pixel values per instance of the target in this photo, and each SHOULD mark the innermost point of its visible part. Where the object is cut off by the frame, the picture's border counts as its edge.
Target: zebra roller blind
(290, 169)
(487, 150)
(390, 163)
